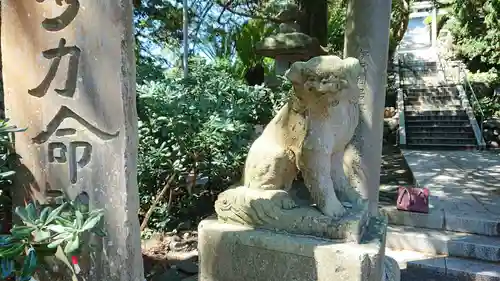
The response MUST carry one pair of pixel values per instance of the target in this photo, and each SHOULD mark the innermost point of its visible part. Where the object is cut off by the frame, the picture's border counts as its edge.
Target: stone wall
(491, 132)
(391, 124)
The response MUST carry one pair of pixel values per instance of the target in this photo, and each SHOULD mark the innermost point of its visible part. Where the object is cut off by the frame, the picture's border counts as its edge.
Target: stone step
(418, 69)
(438, 118)
(406, 83)
(417, 66)
(432, 103)
(436, 242)
(430, 98)
(418, 63)
(430, 91)
(417, 72)
(440, 141)
(440, 219)
(437, 123)
(436, 113)
(433, 89)
(433, 108)
(423, 267)
(432, 146)
(418, 75)
(452, 82)
(420, 80)
(431, 128)
(439, 134)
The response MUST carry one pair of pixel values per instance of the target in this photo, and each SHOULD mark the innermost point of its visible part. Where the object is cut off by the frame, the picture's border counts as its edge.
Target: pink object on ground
(413, 199)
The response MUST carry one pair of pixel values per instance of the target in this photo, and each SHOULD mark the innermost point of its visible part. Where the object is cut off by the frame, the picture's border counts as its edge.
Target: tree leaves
(476, 31)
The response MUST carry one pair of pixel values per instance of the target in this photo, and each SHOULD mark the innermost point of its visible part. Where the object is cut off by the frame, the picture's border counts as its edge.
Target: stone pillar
(367, 38)
(434, 29)
(281, 65)
(69, 77)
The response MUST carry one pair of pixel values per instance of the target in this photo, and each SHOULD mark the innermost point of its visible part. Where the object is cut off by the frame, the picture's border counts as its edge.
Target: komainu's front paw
(288, 203)
(334, 210)
(282, 199)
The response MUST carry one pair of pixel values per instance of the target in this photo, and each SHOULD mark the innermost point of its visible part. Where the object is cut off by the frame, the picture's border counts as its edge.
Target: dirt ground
(171, 256)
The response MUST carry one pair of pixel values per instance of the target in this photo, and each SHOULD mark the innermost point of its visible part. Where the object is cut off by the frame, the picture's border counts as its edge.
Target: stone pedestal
(239, 253)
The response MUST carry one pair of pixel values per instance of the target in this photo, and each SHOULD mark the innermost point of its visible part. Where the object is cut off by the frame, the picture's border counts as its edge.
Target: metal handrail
(473, 94)
(466, 85)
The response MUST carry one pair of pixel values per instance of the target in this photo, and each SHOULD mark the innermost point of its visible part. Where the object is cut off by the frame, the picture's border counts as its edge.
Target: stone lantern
(289, 45)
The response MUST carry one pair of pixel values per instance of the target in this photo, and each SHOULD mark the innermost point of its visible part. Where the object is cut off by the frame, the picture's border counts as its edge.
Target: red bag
(413, 199)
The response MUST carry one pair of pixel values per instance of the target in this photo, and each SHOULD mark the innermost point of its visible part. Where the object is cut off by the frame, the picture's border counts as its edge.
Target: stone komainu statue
(309, 134)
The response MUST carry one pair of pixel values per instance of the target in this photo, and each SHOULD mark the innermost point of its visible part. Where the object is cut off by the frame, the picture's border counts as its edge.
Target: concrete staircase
(435, 119)
(459, 239)
(427, 251)
(433, 113)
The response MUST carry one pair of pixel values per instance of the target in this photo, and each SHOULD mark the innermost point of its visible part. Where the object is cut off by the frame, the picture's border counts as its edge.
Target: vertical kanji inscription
(63, 149)
(72, 75)
(62, 21)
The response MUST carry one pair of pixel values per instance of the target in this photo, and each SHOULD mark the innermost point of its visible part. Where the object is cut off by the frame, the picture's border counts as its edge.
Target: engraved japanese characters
(67, 143)
(62, 149)
(309, 134)
(69, 78)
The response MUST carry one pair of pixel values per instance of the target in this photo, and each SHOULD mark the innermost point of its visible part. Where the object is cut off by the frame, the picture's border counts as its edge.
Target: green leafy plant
(198, 129)
(476, 32)
(247, 36)
(484, 85)
(45, 229)
(7, 156)
(6, 130)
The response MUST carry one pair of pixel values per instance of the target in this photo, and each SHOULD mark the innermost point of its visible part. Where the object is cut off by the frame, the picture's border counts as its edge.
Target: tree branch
(202, 17)
(440, 4)
(252, 14)
(224, 8)
(157, 200)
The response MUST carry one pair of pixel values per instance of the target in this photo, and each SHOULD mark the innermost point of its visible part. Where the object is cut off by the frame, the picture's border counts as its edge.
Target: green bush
(199, 130)
(336, 26)
(489, 79)
(484, 84)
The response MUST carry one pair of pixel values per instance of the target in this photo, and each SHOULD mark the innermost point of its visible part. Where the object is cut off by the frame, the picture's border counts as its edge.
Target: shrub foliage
(197, 130)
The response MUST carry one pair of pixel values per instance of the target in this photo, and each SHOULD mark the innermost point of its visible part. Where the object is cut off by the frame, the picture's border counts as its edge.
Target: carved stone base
(277, 210)
(239, 253)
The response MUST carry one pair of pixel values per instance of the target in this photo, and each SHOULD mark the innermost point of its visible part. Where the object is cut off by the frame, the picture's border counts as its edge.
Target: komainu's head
(326, 75)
